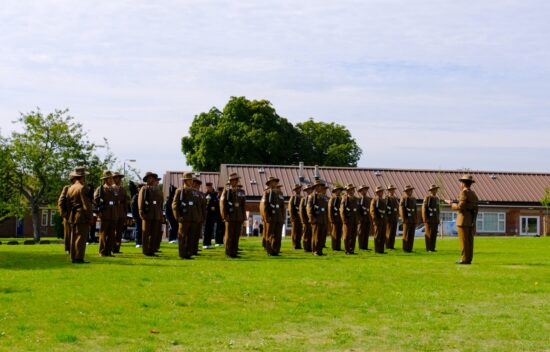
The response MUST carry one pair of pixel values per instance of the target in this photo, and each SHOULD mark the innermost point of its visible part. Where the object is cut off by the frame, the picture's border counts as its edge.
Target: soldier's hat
(308, 187)
(296, 187)
(350, 187)
(338, 188)
(197, 180)
(271, 179)
(208, 184)
(319, 183)
(408, 188)
(107, 174)
(379, 189)
(117, 174)
(187, 176)
(234, 176)
(467, 179)
(78, 171)
(390, 186)
(150, 174)
(239, 186)
(432, 187)
(220, 188)
(362, 187)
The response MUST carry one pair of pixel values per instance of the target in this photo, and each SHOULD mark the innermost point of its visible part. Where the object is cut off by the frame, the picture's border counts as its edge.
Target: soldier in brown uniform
(306, 225)
(349, 213)
(407, 211)
(63, 207)
(365, 221)
(467, 207)
(105, 202)
(269, 209)
(317, 204)
(80, 215)
(378, 215)
(294, 215)
(232, 208)
(122, 206)
(186, 211)
(334, 219)
(150, 211)
(392, 216)
(430, 217)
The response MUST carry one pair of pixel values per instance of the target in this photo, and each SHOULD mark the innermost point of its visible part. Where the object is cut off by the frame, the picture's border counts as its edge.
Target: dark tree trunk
(35, 211)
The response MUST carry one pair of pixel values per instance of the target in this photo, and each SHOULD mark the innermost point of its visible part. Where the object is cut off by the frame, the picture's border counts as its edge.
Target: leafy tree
(545, 201)
(247, 131)
(327, 144)
(38, 160)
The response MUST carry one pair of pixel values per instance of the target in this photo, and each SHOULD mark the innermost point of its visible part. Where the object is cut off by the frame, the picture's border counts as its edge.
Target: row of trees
(251, 132)
(35, 163)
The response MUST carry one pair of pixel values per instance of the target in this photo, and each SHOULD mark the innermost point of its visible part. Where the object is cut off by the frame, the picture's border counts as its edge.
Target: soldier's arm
(86, 205)
(462, 202)
(175, 205)
(61, 201)
(141, 203)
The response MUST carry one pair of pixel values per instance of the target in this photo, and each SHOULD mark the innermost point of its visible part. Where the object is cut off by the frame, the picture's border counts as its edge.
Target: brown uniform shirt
(270, 206)
(232, 207)
(364, 209)
(392, 209)
(303, 210)
(430, 210)
(80, 206)
(294, 208)
(63, 204)
(106, 202)
(349, 210)
(150, 200)
(467, 208)
(378, 209)
(407, 209)
(122, 197)
(317, 205)
(185, 205)
(334, 209)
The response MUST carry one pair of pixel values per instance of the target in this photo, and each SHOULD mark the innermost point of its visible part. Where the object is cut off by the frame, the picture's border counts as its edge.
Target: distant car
(446, 228)
(418, 232)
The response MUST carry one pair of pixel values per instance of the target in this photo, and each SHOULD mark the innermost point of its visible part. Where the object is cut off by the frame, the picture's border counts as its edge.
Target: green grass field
(296, 302)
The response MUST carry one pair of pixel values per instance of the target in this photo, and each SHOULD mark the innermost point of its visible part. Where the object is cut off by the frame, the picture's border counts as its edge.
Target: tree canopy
(251, 132)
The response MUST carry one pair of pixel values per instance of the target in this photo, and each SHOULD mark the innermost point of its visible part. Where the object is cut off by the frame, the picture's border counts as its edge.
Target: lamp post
(124, 165)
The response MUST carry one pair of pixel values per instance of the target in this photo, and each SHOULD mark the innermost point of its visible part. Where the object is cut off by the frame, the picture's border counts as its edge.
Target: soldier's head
(350, 190)
(433, 190)
(234, 180)
(107, 177)
(272, 182)
(197, 183)
(297, 189)
(117, 178)
(150, 178)
(220, 190)
(379, 191)
(408, 190)
(391, 189)
(209, 187)
(78, 174)
(466, 181)
(337, 190)
(363, 190)
(188, 179)
(320, 187)
(308, 189)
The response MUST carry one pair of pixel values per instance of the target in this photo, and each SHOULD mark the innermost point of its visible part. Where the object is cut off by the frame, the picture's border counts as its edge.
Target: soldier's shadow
(32, 260)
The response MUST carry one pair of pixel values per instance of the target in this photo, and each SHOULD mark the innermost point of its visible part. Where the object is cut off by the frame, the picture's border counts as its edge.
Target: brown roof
(490, 186)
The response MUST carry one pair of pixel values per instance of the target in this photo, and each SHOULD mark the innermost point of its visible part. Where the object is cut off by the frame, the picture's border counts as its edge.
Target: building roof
(490, 186)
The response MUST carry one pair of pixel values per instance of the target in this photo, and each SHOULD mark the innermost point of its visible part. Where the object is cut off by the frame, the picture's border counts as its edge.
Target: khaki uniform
(187, 211)
(317, 205)
(80, 216)
(270, 205)
(365, 222)
(407, 211)
(122, 206)
(63, 207)
(294, 215)
(349, 213)
(335, 222)
(467, 208)
(430, 217)
(378, 215)
(306, 225)
(105, 201)
(392, 215)
(150, 211)
(232, 208)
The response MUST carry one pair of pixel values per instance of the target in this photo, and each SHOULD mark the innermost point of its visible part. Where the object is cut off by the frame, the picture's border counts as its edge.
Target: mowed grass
(296, 302)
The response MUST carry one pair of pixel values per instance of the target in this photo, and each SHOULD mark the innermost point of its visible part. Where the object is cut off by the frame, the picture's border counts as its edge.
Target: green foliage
(251, 132)
(545, 200)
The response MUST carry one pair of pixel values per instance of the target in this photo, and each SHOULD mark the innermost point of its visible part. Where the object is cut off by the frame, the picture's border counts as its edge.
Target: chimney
(316, 173)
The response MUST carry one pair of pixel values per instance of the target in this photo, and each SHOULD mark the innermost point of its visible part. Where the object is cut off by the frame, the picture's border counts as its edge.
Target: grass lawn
(296, 302)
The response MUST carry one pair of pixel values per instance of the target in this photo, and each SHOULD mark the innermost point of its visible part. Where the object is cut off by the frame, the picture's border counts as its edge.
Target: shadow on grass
(33, 260)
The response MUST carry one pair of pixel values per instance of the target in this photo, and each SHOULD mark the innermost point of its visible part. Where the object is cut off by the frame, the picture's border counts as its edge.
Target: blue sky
(420, 84)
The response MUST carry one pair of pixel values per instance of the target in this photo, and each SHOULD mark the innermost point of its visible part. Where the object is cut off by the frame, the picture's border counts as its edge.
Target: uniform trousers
(363, 234)
(318, 238)
(208, 232)
(466, 238)
(306, 236)
(408, 236)
(79, 235)
(150, 233)
(379, 235)
(138, 233)
(391, 232)
(220, 231)
(272, 237)
(119, 231)
(336, 236)
(430, 236)
(184, 239)
(349, 233)
(232, 233)
(296, 234)
(196, 230)
(107, 231)
(67, 234)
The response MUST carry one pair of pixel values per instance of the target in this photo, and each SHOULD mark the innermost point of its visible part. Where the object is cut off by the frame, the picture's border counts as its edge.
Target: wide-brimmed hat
(308, 187)
(118, 174)
(432, 187)
(208, 184)
(148, 174)
(408, 188)
(187, 176)
(362, 187)
(220, 188)
(379, 189)
(319, 183)
(350, 187)
(338, 188)
(296, 187)
(197, 180)
(390, 186)
(467, 178)
(107, 174)
(271, 179)
(78, 171)
(234, 176)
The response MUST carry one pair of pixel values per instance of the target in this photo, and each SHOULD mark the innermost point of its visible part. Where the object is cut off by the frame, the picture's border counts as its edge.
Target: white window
(491, 222)
(45, 217)
(52, 214)
(448, 215)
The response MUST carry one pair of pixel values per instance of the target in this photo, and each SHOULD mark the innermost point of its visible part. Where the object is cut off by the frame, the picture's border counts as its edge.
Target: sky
(420, 84)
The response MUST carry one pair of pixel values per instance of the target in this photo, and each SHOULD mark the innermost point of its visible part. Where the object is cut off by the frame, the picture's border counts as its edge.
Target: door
(529, 226)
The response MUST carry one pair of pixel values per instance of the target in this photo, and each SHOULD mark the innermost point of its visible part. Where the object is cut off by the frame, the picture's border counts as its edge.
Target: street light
(124, 164)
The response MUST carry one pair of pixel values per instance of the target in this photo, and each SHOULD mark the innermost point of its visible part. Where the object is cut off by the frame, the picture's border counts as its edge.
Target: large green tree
(37, 161)
(251, 132)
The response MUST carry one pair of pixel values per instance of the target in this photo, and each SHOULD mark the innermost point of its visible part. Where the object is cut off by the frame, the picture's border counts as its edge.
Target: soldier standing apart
(294, 215)
(335, 219)
(122, 205)
(365, 221)
(63, 207)
(186, 211)
(220, 224)
(467, 207)
(107, 212)
(430, 216)
(150, 211)
(378, 214)
(212, 213)
(233, 213)
(80, 215)
(306, 225)
(392, 215)
(317, 205)
(269, 209)
(350, 219)
(407, 210)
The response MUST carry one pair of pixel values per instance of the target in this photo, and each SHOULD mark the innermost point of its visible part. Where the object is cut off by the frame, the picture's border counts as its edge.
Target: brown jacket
(303, 210)
(186, 206)
(467, 208)
(294, 208)
(349, 210)
(430, 210)
(106, 203)
(334, 209)
(232, 207)
(80, 206)
(407, 209)
(378, 209)
(150, 200)
(270, 206)
(63, 204)
(364, 209)
(317, 205)
(122, 196)
(392, 209)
